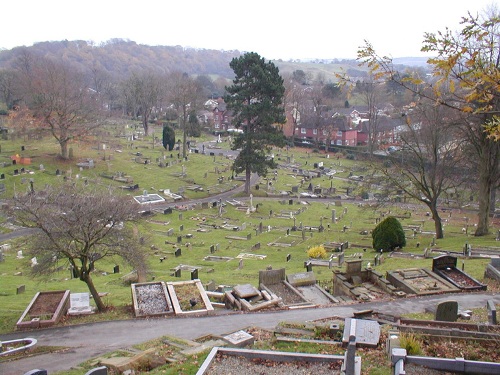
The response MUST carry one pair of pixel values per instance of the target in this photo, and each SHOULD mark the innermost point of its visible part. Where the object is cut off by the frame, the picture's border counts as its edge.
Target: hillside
(118, 58)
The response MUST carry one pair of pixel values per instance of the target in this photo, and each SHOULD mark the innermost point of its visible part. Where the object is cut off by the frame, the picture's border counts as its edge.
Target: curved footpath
(92, 340)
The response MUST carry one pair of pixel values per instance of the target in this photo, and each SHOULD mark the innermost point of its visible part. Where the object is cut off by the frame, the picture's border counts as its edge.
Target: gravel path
(234, 365)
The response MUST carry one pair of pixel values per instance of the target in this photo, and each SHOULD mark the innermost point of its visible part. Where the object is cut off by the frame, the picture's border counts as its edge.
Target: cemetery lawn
(228, 247)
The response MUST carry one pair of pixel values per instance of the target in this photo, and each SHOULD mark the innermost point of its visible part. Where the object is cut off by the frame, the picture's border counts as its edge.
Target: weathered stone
(367, 332)
(245, 291)
(239, 339)
(302, 279)
(447, 311)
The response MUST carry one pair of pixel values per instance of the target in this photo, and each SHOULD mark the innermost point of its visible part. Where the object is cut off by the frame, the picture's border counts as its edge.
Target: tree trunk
(248, 174)
(145, 125)
(438, 224)
(97, 298)
(484, 190)
(64, 149)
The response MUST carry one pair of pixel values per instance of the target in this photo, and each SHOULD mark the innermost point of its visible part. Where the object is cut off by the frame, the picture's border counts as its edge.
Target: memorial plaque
(302, 279)
(239, 339)
(79, 304)
(367, 332)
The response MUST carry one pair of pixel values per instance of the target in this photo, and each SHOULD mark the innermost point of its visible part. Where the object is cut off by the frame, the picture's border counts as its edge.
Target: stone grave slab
(367, 332)
(239, 339)
(79, 304)
(245, 291)
(447, 311)
(301, 279)
(102, 370)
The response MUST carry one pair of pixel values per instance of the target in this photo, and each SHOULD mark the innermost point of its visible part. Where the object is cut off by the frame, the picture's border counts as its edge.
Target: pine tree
(256, 99)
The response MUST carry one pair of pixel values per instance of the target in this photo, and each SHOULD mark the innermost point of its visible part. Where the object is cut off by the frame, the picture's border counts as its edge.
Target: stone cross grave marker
(447, 311)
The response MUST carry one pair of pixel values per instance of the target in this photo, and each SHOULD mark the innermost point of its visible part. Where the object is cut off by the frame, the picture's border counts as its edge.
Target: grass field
(275, 216)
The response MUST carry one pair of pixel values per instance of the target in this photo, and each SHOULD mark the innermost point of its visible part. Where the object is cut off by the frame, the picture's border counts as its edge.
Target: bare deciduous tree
(79, 226)
(429, 163)
(142, 95)
(60, 100)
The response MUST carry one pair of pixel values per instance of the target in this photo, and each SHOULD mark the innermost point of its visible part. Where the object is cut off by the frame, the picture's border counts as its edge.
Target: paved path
(92, 340)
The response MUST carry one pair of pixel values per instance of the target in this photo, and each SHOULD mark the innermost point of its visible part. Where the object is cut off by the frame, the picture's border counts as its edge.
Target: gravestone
(178, 252)
(116, 269)
(79, 304)
(212, 249)
(308, 266)
(288, 257)
(302, 278)
(168, 211)
(194, 274)
(2, 176)
(20, 254)
(179, 239)
(367, 332)
(447, 311)
(36, 372)
(245, 291)
(492, 312)
(102, 370)
(239, 339)
(177, 272)
(181, 228)
(240, 265)
(21, 289)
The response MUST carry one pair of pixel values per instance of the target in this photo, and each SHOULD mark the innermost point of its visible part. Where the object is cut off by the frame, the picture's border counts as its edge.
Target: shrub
(388, 235)
(411, 343)
(317, 252)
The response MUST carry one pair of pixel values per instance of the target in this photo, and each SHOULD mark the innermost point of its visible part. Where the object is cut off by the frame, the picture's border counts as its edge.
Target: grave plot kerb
(166, 295)
(202, 293)
(60, 311)
(272, 356)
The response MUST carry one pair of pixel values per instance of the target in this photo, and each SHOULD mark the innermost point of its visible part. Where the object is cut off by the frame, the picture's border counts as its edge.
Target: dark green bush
(388, 235)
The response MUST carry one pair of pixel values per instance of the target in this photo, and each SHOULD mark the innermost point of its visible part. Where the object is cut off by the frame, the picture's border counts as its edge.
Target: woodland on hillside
(118, 58)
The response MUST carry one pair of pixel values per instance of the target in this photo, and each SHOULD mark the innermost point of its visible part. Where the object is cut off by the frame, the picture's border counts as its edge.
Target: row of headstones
(194, 273)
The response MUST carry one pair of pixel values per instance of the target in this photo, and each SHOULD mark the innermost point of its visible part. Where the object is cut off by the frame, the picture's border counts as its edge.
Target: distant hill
(119, 58)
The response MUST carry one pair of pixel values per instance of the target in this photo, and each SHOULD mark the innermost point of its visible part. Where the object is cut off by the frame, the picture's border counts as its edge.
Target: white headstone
(20, 254)
(33, 262)
(79, 304)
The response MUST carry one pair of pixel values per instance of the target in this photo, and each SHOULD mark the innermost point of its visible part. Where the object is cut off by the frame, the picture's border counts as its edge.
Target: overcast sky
(273, 28)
